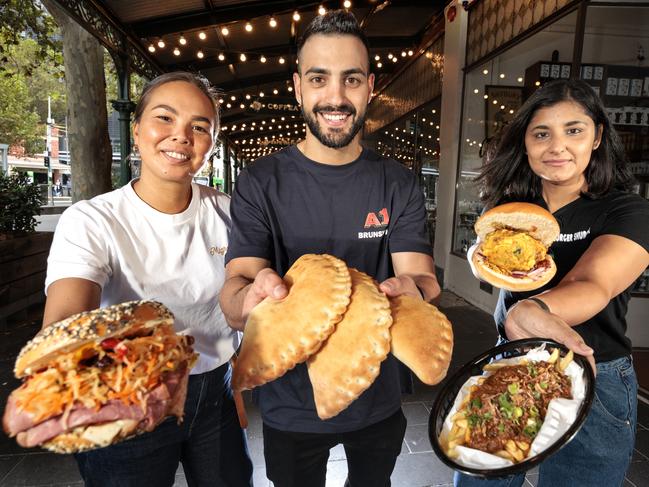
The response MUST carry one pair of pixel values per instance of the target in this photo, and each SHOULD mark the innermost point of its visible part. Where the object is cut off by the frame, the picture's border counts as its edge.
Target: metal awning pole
(124, 107)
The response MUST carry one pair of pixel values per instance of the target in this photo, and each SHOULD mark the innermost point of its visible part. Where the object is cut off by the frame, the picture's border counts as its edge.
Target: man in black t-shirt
(328, 195)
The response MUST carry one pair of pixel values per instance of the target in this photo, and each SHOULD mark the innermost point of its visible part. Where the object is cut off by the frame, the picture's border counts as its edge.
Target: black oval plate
(453, 384)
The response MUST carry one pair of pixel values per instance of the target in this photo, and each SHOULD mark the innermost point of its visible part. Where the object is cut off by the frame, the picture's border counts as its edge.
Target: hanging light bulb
(377, 58)
(202, 35)
(182, 40)
(242, 56)
(248, 27)
(379, 65)
(176, 51)
(151, 48)
(322, 10)
(161, 44)
(272, 22)
(225, 31)
(275, 92)
(262, 58)
(347, 4)
(290, 89)
(410, 53)
(200, 55)
(281, 60)
(296, 16)
(221, 56)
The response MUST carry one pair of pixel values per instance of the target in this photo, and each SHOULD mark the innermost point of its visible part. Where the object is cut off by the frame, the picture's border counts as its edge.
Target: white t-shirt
(135, 252)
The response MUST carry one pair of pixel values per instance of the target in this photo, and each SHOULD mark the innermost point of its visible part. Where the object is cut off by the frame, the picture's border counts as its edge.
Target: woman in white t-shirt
(161, 237)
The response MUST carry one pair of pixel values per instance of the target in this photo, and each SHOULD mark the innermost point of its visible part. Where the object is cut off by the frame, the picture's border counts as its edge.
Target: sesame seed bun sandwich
(512, 248)
(99, 377)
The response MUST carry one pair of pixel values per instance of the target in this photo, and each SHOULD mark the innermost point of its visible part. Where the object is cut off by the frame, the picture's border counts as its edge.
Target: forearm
(232, 298)
(427, 285)
(70, 296)
(576, 301)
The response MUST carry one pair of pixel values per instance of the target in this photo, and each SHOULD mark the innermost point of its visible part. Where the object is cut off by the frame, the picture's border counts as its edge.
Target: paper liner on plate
(561, 414)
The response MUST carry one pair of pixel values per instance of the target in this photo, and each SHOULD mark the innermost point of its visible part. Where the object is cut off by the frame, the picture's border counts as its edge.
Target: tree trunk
(90, 150)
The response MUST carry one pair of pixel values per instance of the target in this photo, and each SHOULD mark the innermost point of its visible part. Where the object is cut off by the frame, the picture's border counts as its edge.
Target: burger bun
(509, 283)
(532, 219)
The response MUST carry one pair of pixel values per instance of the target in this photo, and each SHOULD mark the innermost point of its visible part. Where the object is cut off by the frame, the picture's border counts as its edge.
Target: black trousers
(300, 459)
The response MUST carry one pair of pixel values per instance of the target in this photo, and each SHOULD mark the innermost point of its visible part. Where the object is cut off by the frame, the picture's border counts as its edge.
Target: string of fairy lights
(260, 137)
(230, 29)
(401, 141)
(195, 42)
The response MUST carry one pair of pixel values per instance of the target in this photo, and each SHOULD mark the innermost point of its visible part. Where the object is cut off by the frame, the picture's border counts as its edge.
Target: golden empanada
(349, 361)
(280, 334)
(422, 338)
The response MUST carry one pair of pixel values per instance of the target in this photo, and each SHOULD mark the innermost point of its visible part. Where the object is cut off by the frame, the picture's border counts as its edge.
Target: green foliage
(20, 201)
(26, 81)
(47, 78)
(27, 19)
(19, 124)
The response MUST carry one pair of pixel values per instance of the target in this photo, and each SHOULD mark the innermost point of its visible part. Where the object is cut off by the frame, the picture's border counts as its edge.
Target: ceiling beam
(252, 81)
(201, 19)
(222, 15)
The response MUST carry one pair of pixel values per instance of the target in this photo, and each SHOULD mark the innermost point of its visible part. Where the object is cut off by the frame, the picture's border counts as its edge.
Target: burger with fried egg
(512, 249)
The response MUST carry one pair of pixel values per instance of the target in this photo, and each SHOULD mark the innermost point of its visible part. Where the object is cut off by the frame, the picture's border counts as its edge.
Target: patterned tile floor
(417, 466)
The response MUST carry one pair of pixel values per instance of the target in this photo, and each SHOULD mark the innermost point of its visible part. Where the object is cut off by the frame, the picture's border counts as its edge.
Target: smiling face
(560, 140)
(333, 88)
(175, 132)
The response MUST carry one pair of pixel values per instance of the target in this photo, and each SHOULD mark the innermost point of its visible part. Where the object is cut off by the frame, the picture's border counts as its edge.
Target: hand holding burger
(511, 252)
(99, 377)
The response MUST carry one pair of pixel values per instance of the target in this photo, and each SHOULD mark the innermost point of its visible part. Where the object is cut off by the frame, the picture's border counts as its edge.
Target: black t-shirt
(581, 222)
(286, 205)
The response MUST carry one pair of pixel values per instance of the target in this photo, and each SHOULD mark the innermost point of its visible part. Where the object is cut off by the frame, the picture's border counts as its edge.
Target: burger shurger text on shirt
(573, 237)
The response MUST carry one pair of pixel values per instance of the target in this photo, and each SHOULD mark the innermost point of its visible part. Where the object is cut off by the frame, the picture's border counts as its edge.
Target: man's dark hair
(334, 22)
(506, 174)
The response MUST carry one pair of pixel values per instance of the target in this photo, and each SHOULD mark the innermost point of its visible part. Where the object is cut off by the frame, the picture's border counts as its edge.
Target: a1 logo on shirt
(376, 220)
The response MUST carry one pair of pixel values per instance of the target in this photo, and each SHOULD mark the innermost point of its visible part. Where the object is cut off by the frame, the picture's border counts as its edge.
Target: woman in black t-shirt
(561, 152)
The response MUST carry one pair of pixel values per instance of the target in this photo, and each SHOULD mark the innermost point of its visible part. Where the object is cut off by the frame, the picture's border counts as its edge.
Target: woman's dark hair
(334, 22)
(506, 174)
(197, 80)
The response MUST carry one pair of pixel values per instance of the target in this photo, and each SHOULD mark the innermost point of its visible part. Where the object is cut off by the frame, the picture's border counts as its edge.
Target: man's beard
(336, 138)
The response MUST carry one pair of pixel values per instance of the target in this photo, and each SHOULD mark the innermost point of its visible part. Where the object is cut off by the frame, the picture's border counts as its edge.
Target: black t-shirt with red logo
(581, 222)
(286, 205)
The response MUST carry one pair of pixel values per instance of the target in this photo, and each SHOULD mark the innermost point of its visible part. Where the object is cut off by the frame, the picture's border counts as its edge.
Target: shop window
(493, 91)
(413, 141)
(614, 62)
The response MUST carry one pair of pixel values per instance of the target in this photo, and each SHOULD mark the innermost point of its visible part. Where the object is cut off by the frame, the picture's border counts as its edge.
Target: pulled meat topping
(511, 404)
